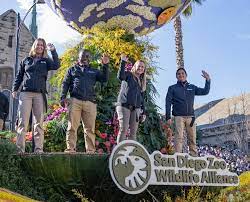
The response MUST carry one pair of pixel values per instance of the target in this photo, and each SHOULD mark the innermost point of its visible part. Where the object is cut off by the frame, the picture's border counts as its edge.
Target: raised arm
(103, 75)
(206, 89)
(121, 74)
(54, 63)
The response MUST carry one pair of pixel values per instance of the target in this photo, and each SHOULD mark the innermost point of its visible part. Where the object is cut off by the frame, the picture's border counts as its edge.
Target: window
(10, 41)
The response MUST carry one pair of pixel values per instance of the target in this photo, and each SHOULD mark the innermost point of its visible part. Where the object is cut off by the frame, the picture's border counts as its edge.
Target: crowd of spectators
(236, 160)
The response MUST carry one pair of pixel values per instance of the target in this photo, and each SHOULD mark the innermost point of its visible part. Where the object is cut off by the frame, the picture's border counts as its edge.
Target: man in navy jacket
(181, 97)
(80, 82)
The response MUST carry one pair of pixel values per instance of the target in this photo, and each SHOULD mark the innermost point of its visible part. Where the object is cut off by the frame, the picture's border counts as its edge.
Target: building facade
(8, 30)
(226, 123)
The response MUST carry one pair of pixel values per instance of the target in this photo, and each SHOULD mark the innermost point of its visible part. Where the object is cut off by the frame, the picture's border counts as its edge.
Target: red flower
(28, 136)
(103, 135)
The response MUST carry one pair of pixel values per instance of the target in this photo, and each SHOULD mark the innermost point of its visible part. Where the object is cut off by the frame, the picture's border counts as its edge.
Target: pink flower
(112, 140)
(97, 143)
(116, 131)
(100, 151)
(103, 135)
(107, 144)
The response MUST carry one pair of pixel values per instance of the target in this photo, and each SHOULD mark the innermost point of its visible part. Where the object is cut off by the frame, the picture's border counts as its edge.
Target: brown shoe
(70, 151)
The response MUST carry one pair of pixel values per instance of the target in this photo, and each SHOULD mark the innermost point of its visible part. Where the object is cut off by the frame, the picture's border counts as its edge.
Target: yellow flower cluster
(141, 2)
(87, 12)
(144, 11)
(100, 14)
(127, 22)
(6, 195)
(110, 41)
(110, 4)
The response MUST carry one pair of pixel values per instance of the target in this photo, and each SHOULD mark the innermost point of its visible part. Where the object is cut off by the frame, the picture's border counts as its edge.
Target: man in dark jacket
(80, 82)
(181, 97)
(4, 109)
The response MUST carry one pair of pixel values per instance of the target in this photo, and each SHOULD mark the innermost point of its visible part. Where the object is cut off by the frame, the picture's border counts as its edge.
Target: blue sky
(216, 39)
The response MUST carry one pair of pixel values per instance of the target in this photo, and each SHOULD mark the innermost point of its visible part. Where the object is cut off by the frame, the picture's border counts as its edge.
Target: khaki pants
(86, 111)
(1, 124)
(127, 120)
(181, 123)
(30, 101)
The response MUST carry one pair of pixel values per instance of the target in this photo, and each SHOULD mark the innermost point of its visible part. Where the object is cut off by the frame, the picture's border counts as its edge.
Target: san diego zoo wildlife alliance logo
(133, 169)
(130, 167)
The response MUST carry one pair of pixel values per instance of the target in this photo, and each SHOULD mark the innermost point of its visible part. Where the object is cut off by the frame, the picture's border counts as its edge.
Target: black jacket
(4, 106)
(181, 96)
(130, 92)
(80, 82)
(34, 74)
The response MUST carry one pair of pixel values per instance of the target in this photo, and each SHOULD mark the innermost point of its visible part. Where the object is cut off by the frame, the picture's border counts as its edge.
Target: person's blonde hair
(142, 79)
(32, 52)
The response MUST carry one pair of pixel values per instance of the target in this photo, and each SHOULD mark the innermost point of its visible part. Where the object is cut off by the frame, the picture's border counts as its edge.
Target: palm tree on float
(178, 33)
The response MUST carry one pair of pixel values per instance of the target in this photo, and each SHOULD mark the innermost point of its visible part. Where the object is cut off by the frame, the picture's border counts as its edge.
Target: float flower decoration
(135, 16)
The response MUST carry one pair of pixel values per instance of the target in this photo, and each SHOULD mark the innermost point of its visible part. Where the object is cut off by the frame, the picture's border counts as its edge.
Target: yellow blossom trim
(144, 11)
(141, 2)
(123, 21)
(164, 3)
(100, 14)
(87, 12)
(146, 30)
(110, 4)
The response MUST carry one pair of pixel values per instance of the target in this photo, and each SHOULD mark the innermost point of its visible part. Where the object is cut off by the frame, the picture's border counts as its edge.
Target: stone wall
(8, 29)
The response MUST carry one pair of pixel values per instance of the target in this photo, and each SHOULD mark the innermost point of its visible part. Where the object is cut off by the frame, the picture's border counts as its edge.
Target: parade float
(112, 27)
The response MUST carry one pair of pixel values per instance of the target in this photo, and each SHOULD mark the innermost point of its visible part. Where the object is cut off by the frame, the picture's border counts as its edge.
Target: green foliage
(55, 138)
(12, 175)
(7, 134)
(151, 134)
